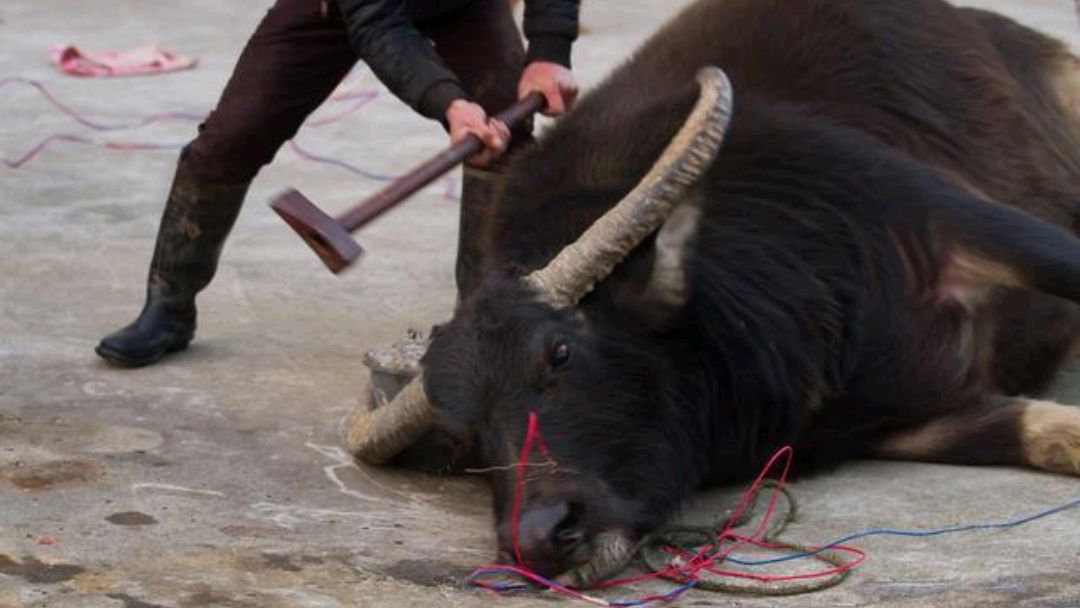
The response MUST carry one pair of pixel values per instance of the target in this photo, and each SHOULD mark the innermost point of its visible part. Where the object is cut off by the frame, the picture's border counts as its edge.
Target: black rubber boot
(194, 225)
(479, 189)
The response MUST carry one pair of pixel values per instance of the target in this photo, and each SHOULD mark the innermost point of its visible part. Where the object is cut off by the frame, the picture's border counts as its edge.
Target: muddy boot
(194, 225)
(478, 191)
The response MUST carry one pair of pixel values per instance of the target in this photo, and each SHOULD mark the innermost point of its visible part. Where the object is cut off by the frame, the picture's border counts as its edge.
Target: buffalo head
(520, 346)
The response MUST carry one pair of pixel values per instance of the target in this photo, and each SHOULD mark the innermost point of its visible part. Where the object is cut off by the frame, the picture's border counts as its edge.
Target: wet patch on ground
(131, 518)
(206, 599)
(133, 602)
(278, 561)
(253, 531)
(429, 573)
(50, 475)
(290, 563)
(1043, 590)
(34, 571)
(63, 434)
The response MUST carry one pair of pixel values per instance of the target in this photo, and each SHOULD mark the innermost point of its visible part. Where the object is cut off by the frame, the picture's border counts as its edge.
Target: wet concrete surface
(216, 479)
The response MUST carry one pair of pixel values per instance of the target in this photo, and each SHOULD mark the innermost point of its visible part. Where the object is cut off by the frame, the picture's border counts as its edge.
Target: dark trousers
(299, 54)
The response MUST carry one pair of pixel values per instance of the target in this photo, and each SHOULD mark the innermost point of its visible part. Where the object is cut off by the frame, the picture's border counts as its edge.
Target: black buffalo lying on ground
(878, 258)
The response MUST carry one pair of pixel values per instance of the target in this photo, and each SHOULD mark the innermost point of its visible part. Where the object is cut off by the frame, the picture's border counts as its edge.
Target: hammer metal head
(325, 235)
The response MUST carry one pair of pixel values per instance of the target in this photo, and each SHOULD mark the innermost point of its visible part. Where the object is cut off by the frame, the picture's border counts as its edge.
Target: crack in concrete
(167, 488)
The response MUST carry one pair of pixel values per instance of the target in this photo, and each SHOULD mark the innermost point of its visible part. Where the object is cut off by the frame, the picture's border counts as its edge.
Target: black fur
(867, 136)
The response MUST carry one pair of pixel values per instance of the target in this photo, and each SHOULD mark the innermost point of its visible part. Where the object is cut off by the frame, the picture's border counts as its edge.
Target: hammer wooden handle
(330, 238)
(414, 180)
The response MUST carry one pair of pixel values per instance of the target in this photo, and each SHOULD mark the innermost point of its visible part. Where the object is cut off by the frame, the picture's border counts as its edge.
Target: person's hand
(554, 81)
(467, 118)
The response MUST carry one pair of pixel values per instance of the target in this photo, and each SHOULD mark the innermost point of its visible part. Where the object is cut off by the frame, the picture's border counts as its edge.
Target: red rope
(532, 435)
(705, 559)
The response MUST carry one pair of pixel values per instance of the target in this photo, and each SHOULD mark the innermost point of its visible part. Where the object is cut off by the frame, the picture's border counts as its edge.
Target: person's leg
(293, 61)
(482, 45)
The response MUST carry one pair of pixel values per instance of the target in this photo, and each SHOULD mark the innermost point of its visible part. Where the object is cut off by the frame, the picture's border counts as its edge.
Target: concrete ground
(216, 480)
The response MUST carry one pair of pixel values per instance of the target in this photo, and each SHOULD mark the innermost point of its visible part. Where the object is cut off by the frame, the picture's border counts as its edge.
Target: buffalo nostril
(568, 533)
(551, 529)
(567, 536)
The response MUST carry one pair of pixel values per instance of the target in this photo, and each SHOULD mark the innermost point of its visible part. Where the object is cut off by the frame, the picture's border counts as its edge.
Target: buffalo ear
(666, 288)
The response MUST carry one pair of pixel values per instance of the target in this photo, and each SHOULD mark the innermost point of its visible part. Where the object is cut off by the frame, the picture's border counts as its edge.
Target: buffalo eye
(560, 355)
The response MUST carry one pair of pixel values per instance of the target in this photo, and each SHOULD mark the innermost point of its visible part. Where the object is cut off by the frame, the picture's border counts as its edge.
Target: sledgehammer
(331, 237)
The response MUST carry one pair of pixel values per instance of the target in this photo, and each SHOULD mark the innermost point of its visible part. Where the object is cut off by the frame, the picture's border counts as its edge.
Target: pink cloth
(135, 62)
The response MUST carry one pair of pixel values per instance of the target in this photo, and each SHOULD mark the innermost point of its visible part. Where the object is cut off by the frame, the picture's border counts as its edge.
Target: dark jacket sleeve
(400, 56)
(551, 27)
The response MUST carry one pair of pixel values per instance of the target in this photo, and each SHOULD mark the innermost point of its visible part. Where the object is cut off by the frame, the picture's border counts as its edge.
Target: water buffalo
(846, 225)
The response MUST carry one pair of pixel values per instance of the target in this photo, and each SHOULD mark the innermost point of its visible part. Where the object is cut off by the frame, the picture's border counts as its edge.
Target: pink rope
(360, 100)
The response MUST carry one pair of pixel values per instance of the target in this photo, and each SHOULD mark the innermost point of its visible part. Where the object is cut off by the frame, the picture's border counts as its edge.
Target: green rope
(653, 557)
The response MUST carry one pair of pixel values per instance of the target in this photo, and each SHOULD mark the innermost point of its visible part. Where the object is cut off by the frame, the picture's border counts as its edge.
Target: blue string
(911, 533)
(499, 587)
(680, 590)
(341, 164)
(184, 116)
(667, 597)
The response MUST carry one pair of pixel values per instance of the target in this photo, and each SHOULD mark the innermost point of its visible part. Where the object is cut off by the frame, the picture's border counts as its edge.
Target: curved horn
(376, 434)
(580, 265)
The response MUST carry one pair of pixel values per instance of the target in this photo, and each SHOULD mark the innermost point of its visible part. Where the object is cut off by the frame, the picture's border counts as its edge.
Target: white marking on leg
(1050, 436)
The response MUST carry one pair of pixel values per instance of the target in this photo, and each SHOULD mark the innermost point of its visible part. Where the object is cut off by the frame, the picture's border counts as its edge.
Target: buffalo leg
(1002, 431)
(990, 245)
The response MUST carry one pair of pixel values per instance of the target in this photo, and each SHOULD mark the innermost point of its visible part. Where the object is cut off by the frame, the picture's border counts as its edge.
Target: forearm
(551, 27)
(400, 56)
